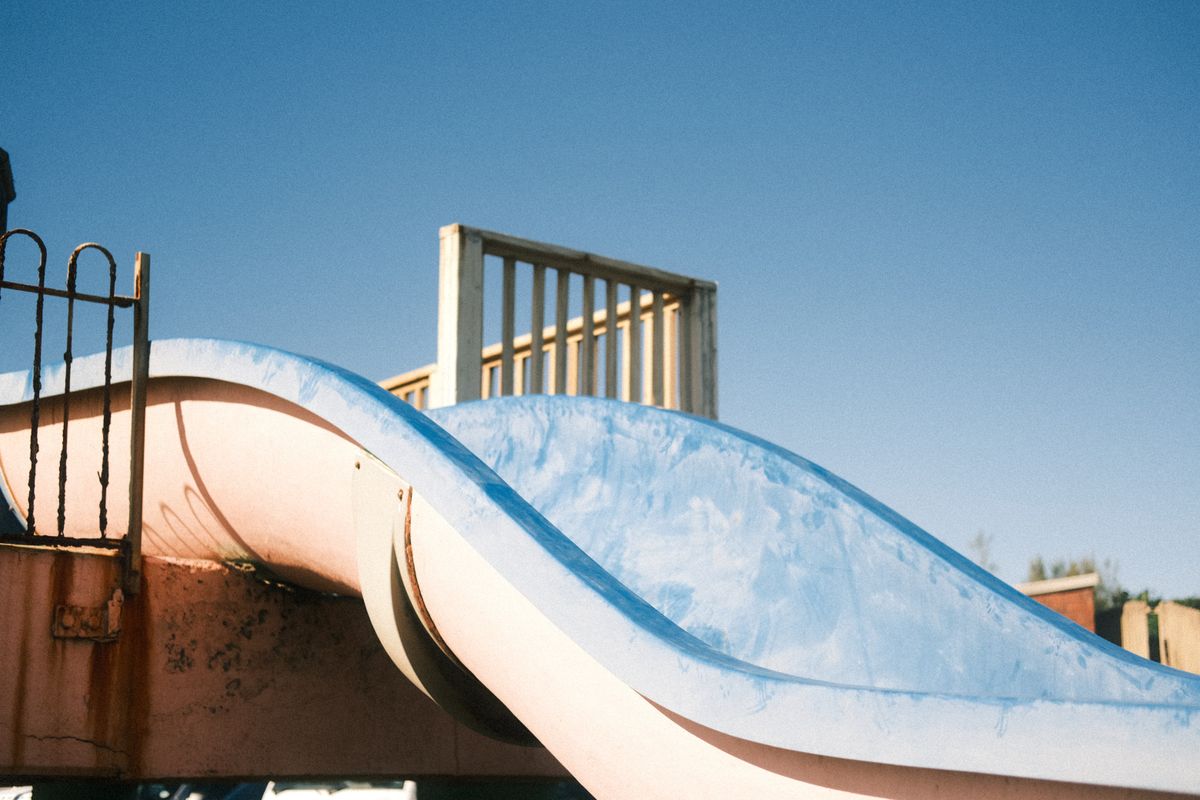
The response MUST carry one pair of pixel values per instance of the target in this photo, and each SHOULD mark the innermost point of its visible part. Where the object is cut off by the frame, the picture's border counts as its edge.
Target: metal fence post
(137, 425)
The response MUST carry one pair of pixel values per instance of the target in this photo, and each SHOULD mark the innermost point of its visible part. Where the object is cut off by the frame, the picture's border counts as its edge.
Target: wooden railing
(413, 386)
(664, 355)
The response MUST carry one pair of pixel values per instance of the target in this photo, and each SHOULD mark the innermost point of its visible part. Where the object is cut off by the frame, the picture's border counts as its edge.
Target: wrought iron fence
(139, 303)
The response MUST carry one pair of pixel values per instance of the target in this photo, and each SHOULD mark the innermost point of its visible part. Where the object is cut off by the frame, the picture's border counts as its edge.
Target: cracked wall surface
(215, 674)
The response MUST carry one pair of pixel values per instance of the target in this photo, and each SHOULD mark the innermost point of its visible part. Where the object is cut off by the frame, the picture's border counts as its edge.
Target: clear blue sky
(958, 245)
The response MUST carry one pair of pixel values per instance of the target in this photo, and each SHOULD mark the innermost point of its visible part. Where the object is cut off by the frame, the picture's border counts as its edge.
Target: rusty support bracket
(94, 623)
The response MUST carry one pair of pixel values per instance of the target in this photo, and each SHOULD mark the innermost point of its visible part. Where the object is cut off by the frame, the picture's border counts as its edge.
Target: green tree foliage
(1037, 569)
(980, 550)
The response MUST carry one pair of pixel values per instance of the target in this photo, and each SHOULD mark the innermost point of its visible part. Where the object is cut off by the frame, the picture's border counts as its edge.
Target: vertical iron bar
(35, 414)
(66, 400)
(107, 423)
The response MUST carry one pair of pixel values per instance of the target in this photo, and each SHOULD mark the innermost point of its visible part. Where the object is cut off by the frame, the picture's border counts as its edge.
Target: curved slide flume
(672, 607)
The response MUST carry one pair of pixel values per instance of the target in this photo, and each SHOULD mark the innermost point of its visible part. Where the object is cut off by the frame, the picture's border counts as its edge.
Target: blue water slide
(743, 588)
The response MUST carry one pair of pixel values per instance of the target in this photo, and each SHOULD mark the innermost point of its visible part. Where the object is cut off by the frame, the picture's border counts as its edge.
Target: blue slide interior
(772, 560)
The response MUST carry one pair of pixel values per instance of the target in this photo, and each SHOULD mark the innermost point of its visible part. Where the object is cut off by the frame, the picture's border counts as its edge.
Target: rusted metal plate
(96, 623)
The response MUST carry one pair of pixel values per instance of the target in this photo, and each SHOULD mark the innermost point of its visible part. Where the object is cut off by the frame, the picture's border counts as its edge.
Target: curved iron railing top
(139, 302)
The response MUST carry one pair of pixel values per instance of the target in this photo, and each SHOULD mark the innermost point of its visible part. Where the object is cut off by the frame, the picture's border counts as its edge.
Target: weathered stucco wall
(214, 673)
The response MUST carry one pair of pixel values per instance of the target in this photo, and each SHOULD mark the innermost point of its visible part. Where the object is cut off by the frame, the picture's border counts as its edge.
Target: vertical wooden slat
(671, 355)
(688, 401)
(700, 346)
(657, 350)
(573, 365)
(137, 408)
(507, 326)
(560, 331)
(686, 385)
(707, 345)
(625, 391)
(610, 338)
(635, 344)
(536, 323)
(587, 344)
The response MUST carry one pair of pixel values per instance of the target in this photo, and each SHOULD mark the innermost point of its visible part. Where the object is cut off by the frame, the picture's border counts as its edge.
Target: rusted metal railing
(130, 543)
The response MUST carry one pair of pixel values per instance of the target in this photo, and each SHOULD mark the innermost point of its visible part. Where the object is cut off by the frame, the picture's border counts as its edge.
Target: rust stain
(62, 577)
(108, 686)
(103, 691)
(418, 600)
(18, 712)
(118, 690)
(136, 653)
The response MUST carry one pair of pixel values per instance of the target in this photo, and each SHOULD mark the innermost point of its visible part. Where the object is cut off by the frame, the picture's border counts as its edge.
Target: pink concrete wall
(214, 674)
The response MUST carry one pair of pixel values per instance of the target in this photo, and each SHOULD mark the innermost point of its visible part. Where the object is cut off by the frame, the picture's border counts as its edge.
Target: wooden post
(572, 387)
(137, 426)
(460, 317)
(708, 349)
(657, 350)
(536, 323)
(610, 338)
(635, 345)
(700, 340)
(587, 343)
(563, 286)
(507, 327)
(671, 355)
